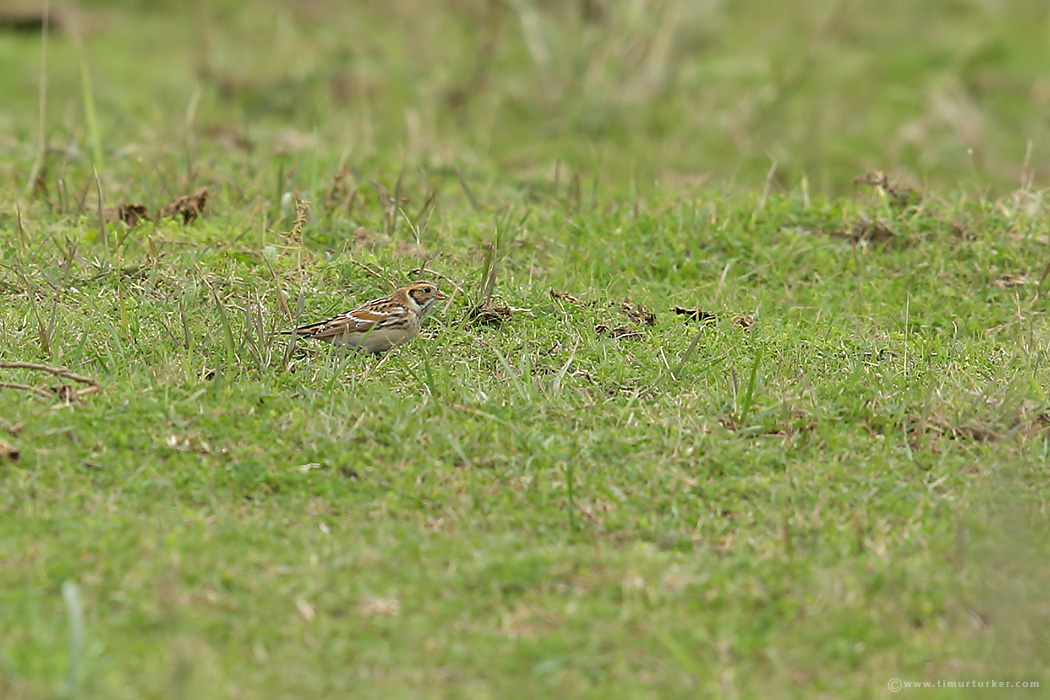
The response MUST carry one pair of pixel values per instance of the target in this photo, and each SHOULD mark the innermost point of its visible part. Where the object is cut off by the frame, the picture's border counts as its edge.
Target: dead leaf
(1008, 280)
(128, 213)
(342, 192)
(491, 315)
(8, 451)
(565, 296)
(305, 608)
(188, 207)
(638, 313)
(745, 321)
(625, 332)
(695, 314)
(374, 606)
(961, 230)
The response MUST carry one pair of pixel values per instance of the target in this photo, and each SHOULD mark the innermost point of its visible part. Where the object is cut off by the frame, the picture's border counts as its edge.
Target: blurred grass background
(949, 92)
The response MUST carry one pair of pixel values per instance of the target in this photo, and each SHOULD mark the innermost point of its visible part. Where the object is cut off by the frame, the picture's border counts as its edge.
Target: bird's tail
(303, 330)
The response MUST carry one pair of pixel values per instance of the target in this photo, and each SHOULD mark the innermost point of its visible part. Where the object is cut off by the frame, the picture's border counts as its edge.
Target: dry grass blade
(42, 334)
(340, 194)
(301, 209)
(488, 275)
(475, 205)
(556, 385)
(289, 348)
(385, 283)
(688, 353)
(280, 291)
(24, 387)
(425, 212)
(254, 335)
(39, 165)
(231, 347)
(101, 213)
(57, 371)
(484, 311)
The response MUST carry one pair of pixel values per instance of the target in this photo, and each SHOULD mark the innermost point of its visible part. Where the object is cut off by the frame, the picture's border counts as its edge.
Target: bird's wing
(357, 321)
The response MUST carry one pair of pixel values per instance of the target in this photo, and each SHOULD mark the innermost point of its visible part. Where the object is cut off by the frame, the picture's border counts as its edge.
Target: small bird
(380, 324)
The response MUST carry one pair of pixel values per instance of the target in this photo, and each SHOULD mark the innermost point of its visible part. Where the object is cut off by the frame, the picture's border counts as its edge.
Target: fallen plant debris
(565, 296)
(491, 315)
(188, 207)
(900, 195)
(1008, 280)
(295, 235)
(63, 391)
(869, 230)
(342, 193)
(745, 321)
(625, 332)
(128, 213)
(695, 314)
(484, 311)
(8, 451)
(962, 231)
(638, 313)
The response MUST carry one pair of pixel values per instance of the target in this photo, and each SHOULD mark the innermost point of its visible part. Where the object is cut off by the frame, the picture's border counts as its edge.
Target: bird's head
(423, 295)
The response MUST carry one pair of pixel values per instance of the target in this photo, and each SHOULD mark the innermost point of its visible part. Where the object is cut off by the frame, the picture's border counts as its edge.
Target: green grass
(838, 481)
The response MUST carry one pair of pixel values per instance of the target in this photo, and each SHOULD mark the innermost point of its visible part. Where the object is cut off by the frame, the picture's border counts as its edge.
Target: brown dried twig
(62, 391)
(23, 387)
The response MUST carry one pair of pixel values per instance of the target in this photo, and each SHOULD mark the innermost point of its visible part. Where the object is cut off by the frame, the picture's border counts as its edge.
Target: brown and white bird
(380, 324)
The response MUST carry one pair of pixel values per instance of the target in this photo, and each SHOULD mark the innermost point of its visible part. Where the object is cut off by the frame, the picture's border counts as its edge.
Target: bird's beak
(440, 296)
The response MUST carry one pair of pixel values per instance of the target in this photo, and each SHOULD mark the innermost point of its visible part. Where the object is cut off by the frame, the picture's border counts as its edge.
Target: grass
(836, 481)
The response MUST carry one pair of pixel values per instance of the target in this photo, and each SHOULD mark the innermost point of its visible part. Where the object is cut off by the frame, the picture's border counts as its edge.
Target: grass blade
(749, 392)
(514, 379)
(75, 614)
